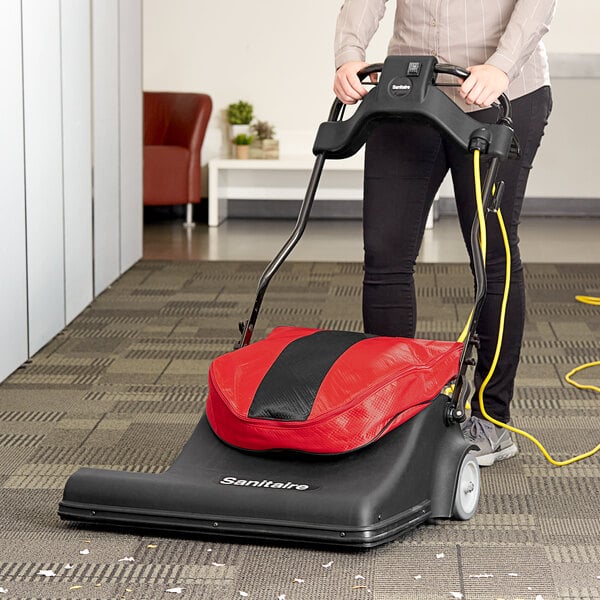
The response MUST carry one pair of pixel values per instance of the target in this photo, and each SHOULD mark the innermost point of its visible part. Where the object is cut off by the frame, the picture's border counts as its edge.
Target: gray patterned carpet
(123, 386)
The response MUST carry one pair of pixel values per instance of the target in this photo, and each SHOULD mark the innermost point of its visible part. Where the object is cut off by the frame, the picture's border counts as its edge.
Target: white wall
(278, 54)
(52, 207)
(574, 29)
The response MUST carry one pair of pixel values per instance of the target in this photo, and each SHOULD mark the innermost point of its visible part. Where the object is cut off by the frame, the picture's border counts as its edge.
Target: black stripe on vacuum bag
(289, 388)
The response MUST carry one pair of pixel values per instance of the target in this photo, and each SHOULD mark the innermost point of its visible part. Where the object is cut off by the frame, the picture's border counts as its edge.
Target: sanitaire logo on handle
(266, 483)
(400, 86)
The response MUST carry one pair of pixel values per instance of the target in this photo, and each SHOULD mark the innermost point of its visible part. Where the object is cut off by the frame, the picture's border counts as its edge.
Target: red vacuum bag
(324, 392)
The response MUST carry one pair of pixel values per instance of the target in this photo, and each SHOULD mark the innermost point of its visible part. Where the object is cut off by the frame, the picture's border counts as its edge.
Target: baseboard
(289, 209)
(542, 207)
(352, 209)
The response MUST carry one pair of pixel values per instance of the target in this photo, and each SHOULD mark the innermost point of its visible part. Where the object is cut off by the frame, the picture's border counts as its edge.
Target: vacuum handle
(503, 103)
(404, 91)
(446, 69)
(337, 108)
(369, 70)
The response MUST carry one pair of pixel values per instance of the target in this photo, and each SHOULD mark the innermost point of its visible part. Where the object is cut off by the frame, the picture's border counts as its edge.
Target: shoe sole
(487, 460)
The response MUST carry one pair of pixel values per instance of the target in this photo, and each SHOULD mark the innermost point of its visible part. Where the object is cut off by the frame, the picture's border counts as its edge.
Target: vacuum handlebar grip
(447, 69)
(405, 90)
(503, 103)
(373, 68)
(337, 108)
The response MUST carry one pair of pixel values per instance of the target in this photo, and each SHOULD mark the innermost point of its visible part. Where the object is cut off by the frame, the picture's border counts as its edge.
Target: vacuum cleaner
(326, 437)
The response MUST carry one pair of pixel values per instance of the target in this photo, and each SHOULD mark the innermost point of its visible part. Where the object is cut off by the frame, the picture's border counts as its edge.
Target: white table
(282, 179)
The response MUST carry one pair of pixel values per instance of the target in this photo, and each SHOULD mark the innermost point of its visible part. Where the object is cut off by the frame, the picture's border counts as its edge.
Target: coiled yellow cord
(479, 200)
(582, 386)
(594, 301)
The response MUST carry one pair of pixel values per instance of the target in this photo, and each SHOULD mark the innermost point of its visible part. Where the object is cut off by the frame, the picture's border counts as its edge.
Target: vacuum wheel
(467, 489)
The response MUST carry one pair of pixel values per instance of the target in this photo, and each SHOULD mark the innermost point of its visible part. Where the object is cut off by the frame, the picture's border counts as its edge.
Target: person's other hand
(483, 85)
(347, 85)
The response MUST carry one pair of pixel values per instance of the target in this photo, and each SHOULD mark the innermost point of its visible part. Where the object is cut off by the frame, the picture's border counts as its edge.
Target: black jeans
(405, 163)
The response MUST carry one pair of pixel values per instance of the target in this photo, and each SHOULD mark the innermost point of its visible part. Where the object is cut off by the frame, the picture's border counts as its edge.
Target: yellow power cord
(588, 300)
(594, 301)
(479, 200)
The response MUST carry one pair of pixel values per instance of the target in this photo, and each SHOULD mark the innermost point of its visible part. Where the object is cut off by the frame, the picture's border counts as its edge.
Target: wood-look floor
(543, 240)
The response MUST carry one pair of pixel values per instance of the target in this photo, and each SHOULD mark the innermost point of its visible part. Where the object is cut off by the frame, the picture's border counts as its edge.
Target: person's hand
(483, 85)
(347, 86)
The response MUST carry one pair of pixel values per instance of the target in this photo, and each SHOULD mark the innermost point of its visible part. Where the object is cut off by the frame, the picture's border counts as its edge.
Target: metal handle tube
(478, 258)
(289, 245)
(336, 111)
(458, 409)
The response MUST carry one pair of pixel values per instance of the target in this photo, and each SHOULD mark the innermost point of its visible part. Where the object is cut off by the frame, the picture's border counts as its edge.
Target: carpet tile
(123, 386)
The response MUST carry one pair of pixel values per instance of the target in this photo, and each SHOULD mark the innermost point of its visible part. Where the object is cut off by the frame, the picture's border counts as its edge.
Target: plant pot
(235, 130)
(264, 149)
(242, 152)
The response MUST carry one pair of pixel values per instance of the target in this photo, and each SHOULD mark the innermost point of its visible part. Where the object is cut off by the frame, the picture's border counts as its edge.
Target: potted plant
(242, 143)
(239, 117)
(265, 145)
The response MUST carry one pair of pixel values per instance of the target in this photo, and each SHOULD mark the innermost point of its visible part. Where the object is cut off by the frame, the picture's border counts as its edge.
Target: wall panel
(77, 154)
(13, 300)
(70, 162)
(43, 170)
(106, 146)
(131, 130)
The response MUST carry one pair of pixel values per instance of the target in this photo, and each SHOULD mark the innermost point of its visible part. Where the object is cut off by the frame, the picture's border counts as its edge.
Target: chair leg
(189, 218)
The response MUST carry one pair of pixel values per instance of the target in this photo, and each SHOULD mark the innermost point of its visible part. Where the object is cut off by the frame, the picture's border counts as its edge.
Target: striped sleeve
(357, 22)
(529, 22)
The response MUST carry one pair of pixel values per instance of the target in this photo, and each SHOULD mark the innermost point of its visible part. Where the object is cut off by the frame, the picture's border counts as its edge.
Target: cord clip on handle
(497, 197)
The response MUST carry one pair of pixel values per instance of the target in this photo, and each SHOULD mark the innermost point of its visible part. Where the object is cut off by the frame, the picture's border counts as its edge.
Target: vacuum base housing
(356, 500)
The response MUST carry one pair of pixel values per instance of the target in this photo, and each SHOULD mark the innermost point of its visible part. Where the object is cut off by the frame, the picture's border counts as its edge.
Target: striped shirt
(504, 33)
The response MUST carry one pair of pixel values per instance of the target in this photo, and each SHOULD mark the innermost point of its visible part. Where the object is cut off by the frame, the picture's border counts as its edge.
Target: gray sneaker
(495, 443)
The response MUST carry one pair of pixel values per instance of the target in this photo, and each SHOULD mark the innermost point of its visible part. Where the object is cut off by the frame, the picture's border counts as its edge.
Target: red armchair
(174, 128)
